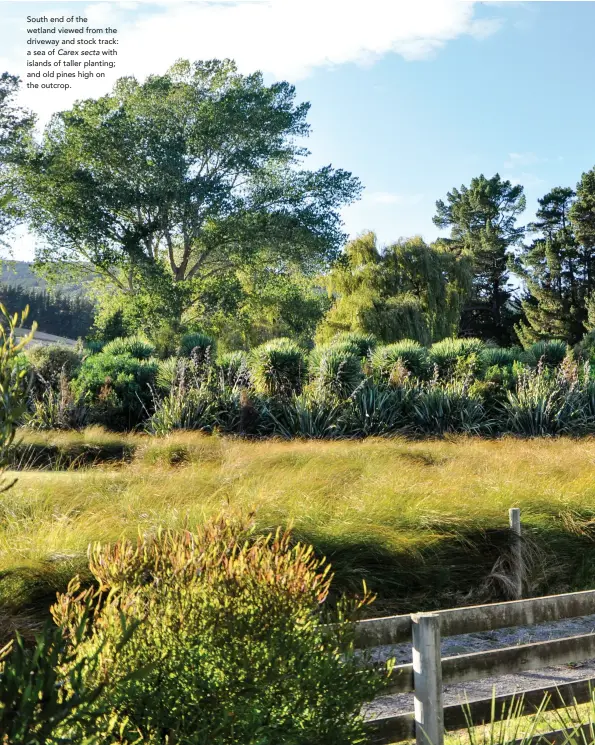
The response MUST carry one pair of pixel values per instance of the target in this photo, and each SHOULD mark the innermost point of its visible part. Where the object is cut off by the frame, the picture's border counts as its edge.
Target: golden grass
(408, 516)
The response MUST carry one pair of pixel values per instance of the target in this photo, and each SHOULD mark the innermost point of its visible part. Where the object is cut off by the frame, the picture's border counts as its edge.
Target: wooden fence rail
(427, 672)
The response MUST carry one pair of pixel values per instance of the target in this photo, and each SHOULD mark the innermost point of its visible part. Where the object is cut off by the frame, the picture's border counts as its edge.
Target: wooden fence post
(427, 676)
(518, 570)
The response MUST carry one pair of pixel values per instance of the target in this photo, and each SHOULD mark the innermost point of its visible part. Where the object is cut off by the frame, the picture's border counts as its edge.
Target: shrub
(136, 346)
(549, 402)
(377, 411)
(234, 637)
(57, 408)
(233, 367)
(549, 352)
(362, 345)
(410, 354)
(50, 362)
(445, 354)
(200, 346)
(278, 368)
(201, 409)
(337, 371)
(39, 703)
(116, 388)
(312, 416)
(449, 408)
(500, 356)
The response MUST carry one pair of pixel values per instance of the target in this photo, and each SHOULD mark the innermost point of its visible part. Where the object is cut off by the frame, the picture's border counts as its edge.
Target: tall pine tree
(482, 221)
(554, 307)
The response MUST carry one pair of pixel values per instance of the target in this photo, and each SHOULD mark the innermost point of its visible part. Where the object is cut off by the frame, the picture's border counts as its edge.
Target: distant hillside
(21, 274)
(65, 310)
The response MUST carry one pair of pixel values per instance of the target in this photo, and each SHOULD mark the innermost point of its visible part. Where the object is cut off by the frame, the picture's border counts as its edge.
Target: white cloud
(528, 180)
(519, 160)
(284, 38)
(387, 197)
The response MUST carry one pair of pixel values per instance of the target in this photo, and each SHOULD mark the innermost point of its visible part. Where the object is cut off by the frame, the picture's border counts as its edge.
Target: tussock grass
(423, 522)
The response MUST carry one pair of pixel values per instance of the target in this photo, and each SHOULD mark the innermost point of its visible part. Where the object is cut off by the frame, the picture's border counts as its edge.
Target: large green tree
(483, 225)
(551, 267)
(15, 128)
(407, 290)
(167, 187)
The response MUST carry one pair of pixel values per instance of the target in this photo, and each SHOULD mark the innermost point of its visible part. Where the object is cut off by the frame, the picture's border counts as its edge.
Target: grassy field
(424, 523)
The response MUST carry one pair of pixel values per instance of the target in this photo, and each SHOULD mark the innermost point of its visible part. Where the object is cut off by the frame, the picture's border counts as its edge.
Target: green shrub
(199, 346)
(136, 346)
(278, 368)
(50, 362)
(200, 409)
(235, 638)
(445, 354)
(116, 387)
(549, 352)
(311, 416)
(549, 402)
(234, 369)
(362, 345)
(337, 371)
(500, 356)
(42, 705)
(379, 411)
(449, 408)
(409, 353)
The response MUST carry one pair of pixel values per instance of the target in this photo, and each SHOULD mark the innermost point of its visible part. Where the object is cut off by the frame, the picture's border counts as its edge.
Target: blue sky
(412, 97)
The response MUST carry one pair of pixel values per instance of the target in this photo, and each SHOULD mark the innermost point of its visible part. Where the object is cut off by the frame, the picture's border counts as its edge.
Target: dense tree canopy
(168, 186)
(482, 221)
(408, 290)
(15, 126)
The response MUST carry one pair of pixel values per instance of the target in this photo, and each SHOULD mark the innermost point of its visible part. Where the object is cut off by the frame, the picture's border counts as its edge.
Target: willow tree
(408, 290)
(167, 188)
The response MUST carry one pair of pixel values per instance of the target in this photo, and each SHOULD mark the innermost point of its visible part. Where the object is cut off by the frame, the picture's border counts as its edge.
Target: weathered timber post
(518, 570)
(427, 677)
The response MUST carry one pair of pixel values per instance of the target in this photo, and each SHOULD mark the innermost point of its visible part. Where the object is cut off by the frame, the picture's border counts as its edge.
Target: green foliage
(409, 353)
(549, 352)
(14, 378)
(234, 368)
(57, 408)
(449, 408)
(550, 402)
(159, 256)
(278, 368)
(136, 346)
(16, 125)
(200, 348)
(234, 636)
(447, 353)
(482, 219)
(51, 362)
(379, 411)
(335, 370)
(500, 356)
(407, 290)
(40, 704)
(362, 345)
(116, 387)
(310, 415)
(197, 408)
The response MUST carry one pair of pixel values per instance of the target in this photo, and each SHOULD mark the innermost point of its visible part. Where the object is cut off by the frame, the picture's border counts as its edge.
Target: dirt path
(481, 642)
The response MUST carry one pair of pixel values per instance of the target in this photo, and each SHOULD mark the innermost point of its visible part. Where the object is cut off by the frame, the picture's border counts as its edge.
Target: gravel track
(482, 642)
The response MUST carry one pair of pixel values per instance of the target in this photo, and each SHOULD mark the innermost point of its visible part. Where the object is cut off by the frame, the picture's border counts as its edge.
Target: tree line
(185, 197)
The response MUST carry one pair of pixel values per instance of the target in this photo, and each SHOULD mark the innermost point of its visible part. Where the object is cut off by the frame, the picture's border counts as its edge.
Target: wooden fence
(429, 671)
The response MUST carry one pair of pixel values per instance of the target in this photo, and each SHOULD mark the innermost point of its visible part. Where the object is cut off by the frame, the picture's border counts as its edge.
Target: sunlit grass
(423, 522)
